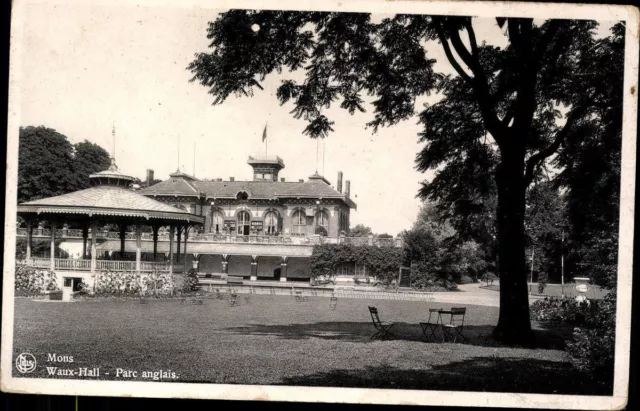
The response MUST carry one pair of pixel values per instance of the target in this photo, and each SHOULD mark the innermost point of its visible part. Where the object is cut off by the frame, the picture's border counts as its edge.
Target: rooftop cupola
(265, 168)
(182, 175)
(111, 177)
(318, 177)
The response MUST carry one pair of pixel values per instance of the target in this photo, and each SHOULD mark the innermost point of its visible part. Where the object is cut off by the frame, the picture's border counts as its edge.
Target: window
(322, 223)
(361, 271)
(345, 269)
(217, 222)
(271, 223)
(299, 222)
(244, 223)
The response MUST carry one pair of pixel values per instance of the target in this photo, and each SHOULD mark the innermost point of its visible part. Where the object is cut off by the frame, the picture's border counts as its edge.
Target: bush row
(593, 346)
(33, 281)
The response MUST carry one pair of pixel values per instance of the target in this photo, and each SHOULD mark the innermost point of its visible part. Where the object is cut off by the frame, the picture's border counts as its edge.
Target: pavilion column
(254, 267)
(155, 229)
(94, 249)
(283, 269)
(186, 236)
(123, 228)
(85, 237)
(171, 234)
(179, 233)
(29, 236)
(138, 246)
(53, 246)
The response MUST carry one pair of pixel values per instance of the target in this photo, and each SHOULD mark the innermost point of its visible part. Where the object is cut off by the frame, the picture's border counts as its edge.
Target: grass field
(279, 341)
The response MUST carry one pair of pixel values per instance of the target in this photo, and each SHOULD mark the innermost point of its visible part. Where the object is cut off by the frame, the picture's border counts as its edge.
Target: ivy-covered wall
(382, 262)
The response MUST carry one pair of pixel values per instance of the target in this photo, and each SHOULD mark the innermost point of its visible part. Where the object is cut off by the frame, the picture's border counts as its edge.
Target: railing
(68, 264)
(71, 264)
(226, 238)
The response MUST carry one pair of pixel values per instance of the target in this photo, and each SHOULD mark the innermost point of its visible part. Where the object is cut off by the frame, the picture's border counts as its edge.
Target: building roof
(107, 200)
(314, 188)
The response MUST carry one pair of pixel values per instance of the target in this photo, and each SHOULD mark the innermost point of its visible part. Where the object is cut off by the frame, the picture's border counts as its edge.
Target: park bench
(382, 327)
(234, 280)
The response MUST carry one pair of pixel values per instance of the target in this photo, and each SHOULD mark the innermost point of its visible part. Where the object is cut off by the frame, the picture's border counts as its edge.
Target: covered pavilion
(110, 200)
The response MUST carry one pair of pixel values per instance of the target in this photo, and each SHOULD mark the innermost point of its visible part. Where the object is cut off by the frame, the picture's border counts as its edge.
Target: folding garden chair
(333, 302)
(299, 297)
(219, 295)
(431, 326)
(382, 328)
(453, 330)
(233, 300)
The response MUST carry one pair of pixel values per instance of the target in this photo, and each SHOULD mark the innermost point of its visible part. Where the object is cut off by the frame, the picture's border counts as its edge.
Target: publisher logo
(26, 363)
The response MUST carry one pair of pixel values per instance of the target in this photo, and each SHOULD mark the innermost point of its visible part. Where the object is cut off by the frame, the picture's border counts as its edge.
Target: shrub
(541, 287)
(465, 279)
(488, 278)
(561, 310)
(32, 280)
(593, 345)
(190, 282)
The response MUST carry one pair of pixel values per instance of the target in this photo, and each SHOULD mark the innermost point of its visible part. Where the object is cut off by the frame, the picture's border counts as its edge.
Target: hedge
(383, 263)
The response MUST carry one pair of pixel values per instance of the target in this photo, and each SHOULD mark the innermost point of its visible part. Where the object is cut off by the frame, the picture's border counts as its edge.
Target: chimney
(282, 179)
(347, 189)
(232, 179)
(340, 181)
(149, 176)
(301, 180)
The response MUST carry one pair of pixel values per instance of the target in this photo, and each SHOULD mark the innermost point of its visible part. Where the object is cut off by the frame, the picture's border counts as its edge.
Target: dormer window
(242, 196)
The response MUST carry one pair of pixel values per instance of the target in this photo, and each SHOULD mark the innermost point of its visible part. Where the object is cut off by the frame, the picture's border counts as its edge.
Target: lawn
(275, 340)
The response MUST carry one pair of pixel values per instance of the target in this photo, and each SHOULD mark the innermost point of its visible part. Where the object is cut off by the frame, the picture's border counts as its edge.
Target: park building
(260, 230)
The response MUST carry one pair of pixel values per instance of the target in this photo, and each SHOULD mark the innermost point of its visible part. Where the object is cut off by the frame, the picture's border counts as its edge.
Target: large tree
(49, 165)
(501, 102)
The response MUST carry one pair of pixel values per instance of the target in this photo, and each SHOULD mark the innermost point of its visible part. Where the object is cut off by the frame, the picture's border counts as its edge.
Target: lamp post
(562, 264)
(562, 227)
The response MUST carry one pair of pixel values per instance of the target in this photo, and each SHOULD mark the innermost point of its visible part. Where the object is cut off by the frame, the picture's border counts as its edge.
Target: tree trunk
(514, 325)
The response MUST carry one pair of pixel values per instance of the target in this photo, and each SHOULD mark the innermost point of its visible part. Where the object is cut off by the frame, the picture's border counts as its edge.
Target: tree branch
(541, 155)
(449, 54)
(472, 37)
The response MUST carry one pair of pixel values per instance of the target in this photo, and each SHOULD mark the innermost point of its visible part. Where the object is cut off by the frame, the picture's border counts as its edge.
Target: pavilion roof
(108, 201)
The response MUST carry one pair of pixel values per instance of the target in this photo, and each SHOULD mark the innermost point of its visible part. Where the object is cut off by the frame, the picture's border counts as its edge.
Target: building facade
(263, 229)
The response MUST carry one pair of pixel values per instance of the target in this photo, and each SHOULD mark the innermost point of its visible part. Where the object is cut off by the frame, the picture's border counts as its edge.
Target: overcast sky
(87, 67)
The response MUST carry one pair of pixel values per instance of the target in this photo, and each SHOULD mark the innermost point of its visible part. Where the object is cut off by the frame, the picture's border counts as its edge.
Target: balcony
(300, 240)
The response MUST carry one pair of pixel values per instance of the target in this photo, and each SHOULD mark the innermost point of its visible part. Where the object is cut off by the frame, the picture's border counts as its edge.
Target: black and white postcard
(404, 202)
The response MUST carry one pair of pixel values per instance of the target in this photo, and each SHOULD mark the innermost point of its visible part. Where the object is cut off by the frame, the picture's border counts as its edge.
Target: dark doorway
(276, 274)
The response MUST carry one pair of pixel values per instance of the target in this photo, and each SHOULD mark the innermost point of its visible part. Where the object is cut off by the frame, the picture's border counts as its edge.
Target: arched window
(322, 222)
(217, 222)
(270, 223)
(244, 223)
(299, 222)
